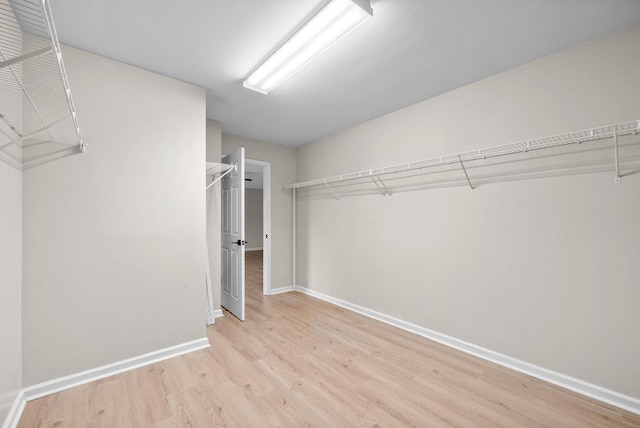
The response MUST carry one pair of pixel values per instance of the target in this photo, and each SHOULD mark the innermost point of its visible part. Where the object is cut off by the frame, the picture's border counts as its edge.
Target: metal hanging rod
(576, 137)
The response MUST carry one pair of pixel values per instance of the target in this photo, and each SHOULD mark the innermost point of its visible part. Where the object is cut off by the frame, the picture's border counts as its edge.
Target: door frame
(266, 222)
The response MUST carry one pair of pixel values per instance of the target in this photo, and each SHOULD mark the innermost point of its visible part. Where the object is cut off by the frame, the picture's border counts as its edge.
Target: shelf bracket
(381, 186)
(18, 59)
(233, 168)
(465, 172)
(331, 190)
(31, 134)
(615, 152)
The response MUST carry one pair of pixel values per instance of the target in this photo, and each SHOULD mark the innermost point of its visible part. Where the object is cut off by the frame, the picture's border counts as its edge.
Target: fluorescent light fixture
(334, 21)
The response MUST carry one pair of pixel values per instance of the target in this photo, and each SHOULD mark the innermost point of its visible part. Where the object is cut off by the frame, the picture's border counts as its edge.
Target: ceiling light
(330, 24)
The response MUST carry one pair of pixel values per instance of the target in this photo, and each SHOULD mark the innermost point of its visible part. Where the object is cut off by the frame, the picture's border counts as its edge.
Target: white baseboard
(217, 313)
(605, 395)
(15, 412)
(253, 249)
(281, 290)
(66, 382)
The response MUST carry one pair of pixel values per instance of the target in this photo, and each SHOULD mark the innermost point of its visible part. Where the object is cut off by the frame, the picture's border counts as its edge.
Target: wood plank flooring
(298, 361)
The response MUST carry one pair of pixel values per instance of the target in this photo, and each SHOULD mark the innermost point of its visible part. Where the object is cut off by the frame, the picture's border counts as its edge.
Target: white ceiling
(410, 51)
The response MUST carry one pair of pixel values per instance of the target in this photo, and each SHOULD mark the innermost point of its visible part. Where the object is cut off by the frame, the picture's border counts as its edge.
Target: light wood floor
(298, 361)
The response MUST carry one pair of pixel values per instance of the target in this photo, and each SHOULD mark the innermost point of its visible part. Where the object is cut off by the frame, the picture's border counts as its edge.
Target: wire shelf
(38, 119)
(576, 137)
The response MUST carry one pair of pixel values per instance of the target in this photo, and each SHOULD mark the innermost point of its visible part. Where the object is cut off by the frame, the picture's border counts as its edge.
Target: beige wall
(10, 287)
(282, 160)
(253, 218)
(542, 270)
(10, 249)
(214, 144)
(114, 238)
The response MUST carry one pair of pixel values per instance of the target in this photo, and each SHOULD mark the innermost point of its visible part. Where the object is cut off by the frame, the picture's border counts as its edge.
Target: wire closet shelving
(576, 137)
(38, 120)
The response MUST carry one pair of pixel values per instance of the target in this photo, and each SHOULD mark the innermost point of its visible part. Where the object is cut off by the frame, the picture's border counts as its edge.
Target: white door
(233, 235)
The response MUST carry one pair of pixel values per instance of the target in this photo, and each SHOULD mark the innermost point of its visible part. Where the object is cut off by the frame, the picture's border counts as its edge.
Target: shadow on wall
(559, 161)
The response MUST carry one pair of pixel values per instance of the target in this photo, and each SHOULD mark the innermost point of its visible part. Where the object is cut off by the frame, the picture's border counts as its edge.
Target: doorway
(258, 178)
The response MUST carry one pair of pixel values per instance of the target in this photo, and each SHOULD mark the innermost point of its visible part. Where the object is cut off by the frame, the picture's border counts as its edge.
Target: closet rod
(576, 137)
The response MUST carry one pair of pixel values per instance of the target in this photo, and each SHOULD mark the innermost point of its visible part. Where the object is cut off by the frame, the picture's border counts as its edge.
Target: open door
(233, 235)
